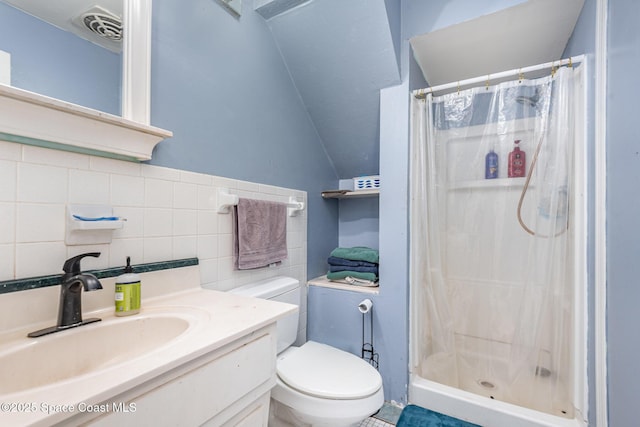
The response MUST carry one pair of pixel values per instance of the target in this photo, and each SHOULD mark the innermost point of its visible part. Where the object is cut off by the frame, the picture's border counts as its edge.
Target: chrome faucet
(71, 284)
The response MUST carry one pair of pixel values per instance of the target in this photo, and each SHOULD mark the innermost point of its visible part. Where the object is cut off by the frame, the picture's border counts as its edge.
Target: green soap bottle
(128, 292)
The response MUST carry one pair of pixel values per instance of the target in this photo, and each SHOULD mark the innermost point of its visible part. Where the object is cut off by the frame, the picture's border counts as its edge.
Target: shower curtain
(491, 245)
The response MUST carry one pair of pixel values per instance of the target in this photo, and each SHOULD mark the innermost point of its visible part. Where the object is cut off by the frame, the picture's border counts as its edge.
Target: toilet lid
(323, 371)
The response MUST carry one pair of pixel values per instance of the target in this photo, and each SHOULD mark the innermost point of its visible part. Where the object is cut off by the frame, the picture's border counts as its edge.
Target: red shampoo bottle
(517, 162)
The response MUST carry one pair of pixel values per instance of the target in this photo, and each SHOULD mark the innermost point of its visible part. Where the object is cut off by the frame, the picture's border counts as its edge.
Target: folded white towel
(359, 282)
(260, 233)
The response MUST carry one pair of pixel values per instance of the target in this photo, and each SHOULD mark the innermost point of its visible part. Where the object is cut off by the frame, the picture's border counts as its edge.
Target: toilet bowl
(317, 385)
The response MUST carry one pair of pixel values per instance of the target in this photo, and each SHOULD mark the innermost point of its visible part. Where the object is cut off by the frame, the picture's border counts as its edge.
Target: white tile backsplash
(7, 180)
(40, 222)
(196, 178)
(208, 246)
(39, 259)
(127, 190)
(7, 254)
(134, 224)
(88, 187)
(225, 245)
(120, 249)
(185, 196)
(158, 193)
(103, 164)
(207, 197)
(7, 222)
(41, 183)
(10, 151)
(170, 214)
(185, 247)
(207, 222)
(158, 222)
(185, 222)
(156, 249)
(45, 156)
(160, 172)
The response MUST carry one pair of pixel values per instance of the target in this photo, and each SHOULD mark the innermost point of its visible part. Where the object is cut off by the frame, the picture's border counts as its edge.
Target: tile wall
(171, 214)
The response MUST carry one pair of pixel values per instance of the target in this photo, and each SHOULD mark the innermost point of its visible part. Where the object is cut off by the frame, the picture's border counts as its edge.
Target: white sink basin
(35, 362)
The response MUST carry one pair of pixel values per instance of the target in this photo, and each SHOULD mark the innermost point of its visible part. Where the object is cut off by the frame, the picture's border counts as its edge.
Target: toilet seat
(322, 371)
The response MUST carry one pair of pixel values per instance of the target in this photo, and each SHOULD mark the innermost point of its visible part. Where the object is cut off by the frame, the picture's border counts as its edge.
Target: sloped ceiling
(529, 33)
(340, 54)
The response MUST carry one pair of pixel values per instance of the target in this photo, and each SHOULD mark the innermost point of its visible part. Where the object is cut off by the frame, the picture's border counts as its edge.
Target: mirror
(94, 53)
(69, 50)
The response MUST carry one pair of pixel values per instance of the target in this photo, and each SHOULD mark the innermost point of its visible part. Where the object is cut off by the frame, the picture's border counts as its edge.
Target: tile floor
(374, 422)
(387, 416)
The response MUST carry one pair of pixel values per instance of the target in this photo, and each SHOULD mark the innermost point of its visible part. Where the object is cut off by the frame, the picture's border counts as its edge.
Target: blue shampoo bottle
(491, 165)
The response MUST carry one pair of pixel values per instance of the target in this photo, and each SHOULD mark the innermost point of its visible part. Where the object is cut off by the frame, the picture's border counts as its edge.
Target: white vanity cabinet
(227, 387)
(218, 370)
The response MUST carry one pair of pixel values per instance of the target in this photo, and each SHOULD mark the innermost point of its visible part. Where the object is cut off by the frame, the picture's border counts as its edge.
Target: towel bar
(226, 200)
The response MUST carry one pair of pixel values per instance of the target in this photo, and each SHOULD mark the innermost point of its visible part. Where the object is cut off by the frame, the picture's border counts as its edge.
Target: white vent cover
(103, 23)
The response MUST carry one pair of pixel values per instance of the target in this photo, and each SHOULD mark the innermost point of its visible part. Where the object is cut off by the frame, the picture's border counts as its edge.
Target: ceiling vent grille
(103, 23)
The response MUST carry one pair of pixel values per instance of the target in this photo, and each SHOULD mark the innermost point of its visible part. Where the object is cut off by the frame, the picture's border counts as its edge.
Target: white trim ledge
(36, 117)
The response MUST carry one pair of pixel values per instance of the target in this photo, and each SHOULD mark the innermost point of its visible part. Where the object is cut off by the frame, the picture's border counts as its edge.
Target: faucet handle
(72, 265)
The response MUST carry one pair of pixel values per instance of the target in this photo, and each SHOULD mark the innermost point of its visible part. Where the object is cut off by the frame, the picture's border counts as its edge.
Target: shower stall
(498, 243)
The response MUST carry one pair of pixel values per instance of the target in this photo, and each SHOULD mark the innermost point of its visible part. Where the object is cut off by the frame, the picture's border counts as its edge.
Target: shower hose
(524, 192)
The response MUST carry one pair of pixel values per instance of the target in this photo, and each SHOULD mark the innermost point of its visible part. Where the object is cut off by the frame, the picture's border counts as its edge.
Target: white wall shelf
(346, 194)
(29, 117)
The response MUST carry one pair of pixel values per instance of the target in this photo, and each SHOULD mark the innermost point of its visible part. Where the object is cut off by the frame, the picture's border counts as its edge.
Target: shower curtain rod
(420, 93)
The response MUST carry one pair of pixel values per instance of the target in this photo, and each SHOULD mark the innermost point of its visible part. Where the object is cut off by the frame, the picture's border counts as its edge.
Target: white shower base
(479, 409)
(482, 368)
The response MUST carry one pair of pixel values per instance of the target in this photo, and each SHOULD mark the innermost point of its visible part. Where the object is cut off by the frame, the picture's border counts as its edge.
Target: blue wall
(59, 64)
(220, 84)
(333, 317)
(623, 211)
(359, 222)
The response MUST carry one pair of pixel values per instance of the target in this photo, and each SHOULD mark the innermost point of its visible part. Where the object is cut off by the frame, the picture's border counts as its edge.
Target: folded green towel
(340, 275)
(357, 253)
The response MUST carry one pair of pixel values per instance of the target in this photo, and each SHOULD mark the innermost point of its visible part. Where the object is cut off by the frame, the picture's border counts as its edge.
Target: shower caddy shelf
(488, 183)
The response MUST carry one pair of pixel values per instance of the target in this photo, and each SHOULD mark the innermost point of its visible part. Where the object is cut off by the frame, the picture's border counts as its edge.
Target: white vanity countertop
(221, 319)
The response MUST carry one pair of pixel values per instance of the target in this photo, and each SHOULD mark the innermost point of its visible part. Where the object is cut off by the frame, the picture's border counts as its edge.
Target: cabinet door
(255, 415)
(201, 394)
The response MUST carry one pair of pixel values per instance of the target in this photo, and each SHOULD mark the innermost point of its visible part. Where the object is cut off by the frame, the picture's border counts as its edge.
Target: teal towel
(357, 253)
(416, 416)
(340, 275)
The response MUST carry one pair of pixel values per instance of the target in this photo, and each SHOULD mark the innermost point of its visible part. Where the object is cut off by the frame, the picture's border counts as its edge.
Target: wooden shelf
(322, 281)
(346, 194)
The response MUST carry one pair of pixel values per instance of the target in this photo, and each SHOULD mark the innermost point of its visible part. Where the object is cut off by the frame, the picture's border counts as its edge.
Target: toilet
(317, 385)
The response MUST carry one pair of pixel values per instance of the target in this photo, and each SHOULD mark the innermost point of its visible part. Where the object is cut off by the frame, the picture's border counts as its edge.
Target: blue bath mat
(415, 416)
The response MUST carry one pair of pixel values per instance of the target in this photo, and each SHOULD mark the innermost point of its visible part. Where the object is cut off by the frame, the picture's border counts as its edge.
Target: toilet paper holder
(368, 353)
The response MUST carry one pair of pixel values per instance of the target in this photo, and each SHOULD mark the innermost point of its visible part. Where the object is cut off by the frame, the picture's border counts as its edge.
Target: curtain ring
(458, 88)
(520, 76)
(570, 62)
(486, 85)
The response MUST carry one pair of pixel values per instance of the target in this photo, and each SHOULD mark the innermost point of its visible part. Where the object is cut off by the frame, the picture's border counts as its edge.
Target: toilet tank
(281, 289)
